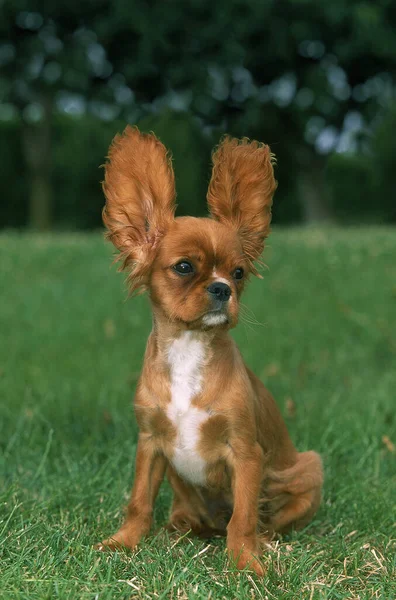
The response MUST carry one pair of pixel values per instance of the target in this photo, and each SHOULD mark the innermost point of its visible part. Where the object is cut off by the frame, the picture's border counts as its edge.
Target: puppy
(204, 418)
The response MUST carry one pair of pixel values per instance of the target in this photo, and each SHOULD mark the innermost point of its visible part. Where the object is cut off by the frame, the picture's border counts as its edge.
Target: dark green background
(315, 80)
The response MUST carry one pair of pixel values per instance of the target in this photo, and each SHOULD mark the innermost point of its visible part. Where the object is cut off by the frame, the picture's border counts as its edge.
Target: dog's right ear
(139, 186)
(240, 192)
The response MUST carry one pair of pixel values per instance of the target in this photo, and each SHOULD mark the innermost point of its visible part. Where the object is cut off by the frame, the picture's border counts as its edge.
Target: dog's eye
(184, 268)
(238, 273)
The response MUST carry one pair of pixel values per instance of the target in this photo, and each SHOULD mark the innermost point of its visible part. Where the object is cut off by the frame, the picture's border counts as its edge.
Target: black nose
(220, 291)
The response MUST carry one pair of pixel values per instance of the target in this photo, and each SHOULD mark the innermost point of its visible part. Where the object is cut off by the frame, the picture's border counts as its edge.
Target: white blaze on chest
(186, 356)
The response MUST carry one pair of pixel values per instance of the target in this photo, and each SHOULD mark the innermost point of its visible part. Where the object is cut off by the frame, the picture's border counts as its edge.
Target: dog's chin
(214, 319)
(208, 320)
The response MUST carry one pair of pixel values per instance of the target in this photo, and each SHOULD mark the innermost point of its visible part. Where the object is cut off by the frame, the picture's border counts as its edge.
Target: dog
(205, 420)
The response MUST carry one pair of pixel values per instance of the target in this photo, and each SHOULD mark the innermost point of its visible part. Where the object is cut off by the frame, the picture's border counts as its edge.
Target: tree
(48, 57)
(306, 76)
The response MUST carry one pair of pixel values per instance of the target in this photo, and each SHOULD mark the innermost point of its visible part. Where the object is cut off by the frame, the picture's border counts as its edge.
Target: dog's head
(194, 269)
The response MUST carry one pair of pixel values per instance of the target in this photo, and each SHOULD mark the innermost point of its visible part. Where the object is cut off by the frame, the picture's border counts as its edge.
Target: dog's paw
(108, 544)
(119, 541)
(182, 522)
(247, 560)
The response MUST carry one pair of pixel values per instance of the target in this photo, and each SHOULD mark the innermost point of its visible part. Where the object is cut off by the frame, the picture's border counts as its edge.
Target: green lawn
(320, 330)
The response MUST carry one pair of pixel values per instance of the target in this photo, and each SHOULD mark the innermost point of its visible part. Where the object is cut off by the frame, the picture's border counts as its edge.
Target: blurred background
(316, 80)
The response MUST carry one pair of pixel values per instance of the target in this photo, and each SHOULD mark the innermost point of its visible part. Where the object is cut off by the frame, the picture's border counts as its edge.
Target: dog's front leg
(242, 542)
(150, 469)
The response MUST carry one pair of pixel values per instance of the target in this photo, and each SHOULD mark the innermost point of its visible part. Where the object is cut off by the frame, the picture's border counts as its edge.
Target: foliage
(318, 333)
(384, 164)
(307, 77)
(80, 147)
(191, 157)
(351, 180)
(361, 186)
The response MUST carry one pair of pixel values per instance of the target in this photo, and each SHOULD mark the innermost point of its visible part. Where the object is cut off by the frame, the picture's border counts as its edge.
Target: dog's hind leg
(196, 511)
(295, 493)
(188, 509)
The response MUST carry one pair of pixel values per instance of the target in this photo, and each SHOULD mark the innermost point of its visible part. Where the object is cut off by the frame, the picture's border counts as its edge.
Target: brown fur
(140, 199)
(256, 481)
(241, 189)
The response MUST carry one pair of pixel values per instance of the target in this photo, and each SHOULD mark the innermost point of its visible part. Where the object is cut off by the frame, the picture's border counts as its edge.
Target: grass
(323, 338)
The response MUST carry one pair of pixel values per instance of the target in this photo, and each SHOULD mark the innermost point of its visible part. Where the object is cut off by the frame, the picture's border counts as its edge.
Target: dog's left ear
(241, 189)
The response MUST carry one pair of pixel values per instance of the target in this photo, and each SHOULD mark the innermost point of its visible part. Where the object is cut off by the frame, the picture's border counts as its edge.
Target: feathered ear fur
(140, 200)
(241, 189)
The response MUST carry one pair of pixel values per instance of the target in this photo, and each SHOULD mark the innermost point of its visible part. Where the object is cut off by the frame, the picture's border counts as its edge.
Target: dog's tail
(293, 495)
(304, 475)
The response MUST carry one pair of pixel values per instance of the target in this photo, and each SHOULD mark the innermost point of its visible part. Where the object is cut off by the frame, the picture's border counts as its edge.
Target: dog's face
(194, 269)
(199, 273)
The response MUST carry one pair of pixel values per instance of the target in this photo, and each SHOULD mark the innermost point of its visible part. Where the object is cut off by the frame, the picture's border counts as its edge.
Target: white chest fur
(186, 356)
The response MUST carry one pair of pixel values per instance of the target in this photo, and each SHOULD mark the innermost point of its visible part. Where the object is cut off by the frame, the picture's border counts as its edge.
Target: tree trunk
(313, 193)
(37, 151)
(40, 202)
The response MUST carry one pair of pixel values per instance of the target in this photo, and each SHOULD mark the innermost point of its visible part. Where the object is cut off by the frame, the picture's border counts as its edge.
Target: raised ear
(140, 200)
(241, 189)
